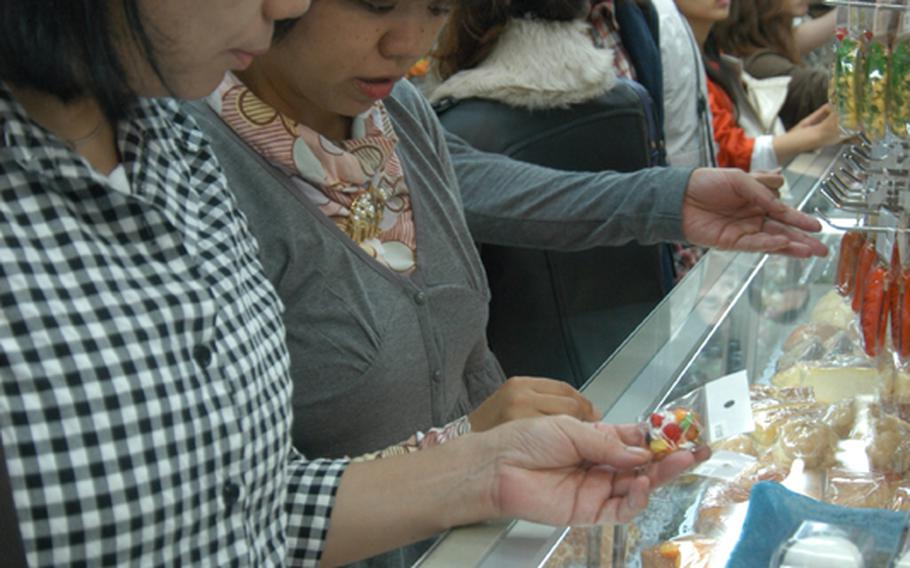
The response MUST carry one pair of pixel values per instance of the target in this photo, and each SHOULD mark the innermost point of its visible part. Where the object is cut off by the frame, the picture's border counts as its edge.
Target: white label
(724, 465)
(728, 407)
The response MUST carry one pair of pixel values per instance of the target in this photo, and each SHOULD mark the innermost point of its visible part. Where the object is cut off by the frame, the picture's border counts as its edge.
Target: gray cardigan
(375, 356)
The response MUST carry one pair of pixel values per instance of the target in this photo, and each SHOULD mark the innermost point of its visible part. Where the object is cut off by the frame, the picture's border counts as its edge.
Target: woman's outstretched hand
(730, 209)
(560, 471)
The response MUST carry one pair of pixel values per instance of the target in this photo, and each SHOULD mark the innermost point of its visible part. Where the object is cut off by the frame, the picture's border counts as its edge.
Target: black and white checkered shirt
(145, 392)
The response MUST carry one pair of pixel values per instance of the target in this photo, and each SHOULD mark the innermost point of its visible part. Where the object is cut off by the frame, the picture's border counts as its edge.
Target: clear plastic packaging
(899, 82)
(675, 427)
(873, 88)
(824, 545)
(719, 409)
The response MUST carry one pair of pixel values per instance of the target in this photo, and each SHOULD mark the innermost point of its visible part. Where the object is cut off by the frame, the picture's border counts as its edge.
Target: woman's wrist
(475, 457)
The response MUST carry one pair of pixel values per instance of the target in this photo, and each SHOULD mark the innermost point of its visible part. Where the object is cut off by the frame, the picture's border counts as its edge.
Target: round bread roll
(840, 416)
(807, 439)
(832, 310)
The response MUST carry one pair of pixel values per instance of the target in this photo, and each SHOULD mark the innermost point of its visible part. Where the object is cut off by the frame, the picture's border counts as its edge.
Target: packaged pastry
(805, 438)
(807, 332)
(768, 421)
(889, 448)
(693, 551)
(841, 416)
(832, 309)
(835, 382)
(862, 490)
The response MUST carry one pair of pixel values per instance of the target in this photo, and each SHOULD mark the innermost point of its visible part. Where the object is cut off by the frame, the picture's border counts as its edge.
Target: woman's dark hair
(474, 27)
(67, 49)
(758, 24)
(718, 70)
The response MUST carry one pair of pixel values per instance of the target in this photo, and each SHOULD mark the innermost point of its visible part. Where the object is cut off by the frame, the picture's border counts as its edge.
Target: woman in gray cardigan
(386, 314)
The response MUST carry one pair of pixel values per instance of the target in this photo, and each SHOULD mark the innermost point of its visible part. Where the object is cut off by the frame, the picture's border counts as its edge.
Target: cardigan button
(420, 298)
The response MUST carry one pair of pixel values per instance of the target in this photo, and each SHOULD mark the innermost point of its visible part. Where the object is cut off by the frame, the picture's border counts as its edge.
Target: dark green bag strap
(10, 537)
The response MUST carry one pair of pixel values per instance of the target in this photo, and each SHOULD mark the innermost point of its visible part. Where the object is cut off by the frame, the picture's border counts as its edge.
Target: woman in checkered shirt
(145, 406)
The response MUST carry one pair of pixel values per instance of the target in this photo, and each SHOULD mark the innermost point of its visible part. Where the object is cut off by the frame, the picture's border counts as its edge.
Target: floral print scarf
(332, 175)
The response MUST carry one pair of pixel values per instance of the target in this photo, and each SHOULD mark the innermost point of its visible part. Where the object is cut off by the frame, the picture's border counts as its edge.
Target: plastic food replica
(874, 90)
(899, 88)
(673, 429)
(845, 82)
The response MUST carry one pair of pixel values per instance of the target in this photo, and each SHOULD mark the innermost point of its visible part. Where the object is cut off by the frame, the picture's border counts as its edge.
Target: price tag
(728, 407)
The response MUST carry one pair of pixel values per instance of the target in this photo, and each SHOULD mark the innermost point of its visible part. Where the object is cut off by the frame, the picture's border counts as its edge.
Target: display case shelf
(724, 316)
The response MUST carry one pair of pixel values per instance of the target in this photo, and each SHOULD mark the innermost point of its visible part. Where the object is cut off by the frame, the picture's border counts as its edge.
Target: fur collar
(537, 65)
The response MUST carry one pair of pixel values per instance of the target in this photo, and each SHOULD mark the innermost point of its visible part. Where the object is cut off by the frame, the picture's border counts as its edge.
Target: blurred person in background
(744, 110)
(762, 34)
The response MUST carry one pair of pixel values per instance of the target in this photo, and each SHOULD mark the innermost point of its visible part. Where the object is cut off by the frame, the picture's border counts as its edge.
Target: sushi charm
(673, 429)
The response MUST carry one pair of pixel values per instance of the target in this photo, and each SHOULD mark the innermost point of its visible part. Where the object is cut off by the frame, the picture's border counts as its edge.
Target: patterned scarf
(362, 174)
(606, 35)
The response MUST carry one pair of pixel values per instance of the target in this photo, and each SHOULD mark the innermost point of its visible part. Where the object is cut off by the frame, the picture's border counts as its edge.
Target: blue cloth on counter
(775, 513)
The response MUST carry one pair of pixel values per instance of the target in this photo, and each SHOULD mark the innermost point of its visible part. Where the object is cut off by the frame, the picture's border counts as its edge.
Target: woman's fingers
(574, 403)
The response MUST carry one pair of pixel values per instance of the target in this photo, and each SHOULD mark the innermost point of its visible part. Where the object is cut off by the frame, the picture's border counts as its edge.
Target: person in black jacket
(560, 314)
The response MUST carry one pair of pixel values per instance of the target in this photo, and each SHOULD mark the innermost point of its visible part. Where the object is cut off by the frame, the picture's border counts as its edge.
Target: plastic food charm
(874, 314)
(673, 429)
(867, 256)
(844, 86)
(874, 90)
(899, 89)
(850, 245)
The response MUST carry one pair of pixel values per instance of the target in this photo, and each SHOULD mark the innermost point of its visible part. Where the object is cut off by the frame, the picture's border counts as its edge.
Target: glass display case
(732, 312)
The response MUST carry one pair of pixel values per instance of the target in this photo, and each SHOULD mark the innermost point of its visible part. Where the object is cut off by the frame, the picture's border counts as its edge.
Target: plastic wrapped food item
(850, 245)
(903, 342)
(899, 88)
(889, 448)
(807, 439)
(874, 107)
(819, 551)
(862, 490)
(768, 421)
(846, 81)
(801, 333)
(724, 500)
(741, 444)
(832, 309)
(811, 349)
(832, 383)
(874, 310)
(841, 416)
(864, 266)
(693, 551)
(767, 396)
(673, 429)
